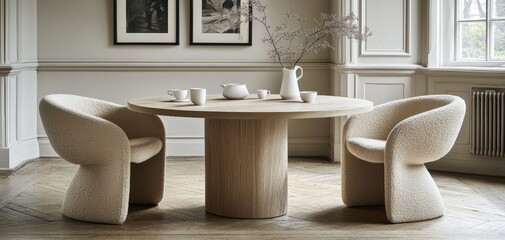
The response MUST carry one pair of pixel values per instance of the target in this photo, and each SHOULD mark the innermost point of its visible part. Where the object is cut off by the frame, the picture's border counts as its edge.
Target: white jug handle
(301, 72)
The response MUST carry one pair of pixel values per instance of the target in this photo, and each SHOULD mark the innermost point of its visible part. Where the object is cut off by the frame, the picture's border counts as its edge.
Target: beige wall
(82, 30)
(76, 55)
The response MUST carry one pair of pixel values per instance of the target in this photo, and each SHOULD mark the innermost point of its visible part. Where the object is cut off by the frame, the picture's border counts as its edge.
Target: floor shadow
(146, 213)
(344, 214)
(132, 208)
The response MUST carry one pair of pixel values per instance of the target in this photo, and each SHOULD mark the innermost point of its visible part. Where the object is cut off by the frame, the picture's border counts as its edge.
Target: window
(479, 31)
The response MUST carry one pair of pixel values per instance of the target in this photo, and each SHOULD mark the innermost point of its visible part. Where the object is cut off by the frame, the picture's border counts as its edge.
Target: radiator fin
(488, 122)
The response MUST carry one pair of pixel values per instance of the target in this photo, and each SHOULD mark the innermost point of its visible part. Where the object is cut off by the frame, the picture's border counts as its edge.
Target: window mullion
(489, 39)
(472, 20)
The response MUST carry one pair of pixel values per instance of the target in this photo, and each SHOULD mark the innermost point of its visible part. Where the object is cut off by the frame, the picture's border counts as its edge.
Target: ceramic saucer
(183, 100)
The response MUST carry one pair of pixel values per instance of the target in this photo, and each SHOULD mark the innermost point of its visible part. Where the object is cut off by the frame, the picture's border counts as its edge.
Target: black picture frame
(197, 26)
(130, 20)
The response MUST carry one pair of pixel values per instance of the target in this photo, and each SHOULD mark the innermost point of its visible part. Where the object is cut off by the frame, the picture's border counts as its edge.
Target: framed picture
(212, 22)
(146, 22)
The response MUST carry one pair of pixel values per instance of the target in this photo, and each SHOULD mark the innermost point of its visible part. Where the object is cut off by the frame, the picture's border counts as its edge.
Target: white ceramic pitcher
(289, 87)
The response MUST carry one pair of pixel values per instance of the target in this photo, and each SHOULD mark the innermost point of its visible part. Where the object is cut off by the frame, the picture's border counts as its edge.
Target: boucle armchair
(384, 152)
(121, 156)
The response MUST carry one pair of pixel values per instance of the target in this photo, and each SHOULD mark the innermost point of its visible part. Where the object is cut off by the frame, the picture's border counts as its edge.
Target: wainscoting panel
(377, 83)
(462, 144)
(11, 112)
(460, 83)
(120, 81)
(3, 112)
(372, 88)
(195, 146)
(18, 120)
(2, 32)
(28, 105)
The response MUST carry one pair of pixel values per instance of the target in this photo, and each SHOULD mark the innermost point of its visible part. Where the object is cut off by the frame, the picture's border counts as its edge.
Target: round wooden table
(246, 146)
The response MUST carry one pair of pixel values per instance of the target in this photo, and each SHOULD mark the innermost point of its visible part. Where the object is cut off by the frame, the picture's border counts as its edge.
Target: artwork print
(146, 21)
(148, 16)
(217, 16)
(216, 22)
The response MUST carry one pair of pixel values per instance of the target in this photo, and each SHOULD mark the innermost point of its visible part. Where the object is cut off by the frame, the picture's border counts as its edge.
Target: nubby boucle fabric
(120, 153)
(384, 151)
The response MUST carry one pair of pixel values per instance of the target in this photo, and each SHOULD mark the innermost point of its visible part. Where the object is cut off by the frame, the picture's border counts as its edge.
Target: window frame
(451, 40)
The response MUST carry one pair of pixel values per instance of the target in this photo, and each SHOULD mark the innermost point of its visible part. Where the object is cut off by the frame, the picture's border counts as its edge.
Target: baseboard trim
(19, 153)
(466, 163)
(45, 148)
(309, 146)
(162, 66)
(185, 147)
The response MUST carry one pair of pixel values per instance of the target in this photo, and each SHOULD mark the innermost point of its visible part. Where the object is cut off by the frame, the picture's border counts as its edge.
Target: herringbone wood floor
(30, 201)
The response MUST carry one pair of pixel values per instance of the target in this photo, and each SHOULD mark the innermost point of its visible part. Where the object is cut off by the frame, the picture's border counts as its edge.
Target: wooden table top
(272, 107)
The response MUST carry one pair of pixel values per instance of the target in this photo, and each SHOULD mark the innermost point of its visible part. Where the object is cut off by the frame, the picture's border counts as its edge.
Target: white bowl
(308, 96)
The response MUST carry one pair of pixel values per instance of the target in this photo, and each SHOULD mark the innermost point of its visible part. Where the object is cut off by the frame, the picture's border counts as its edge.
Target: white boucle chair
(121, 156)
(384, 151)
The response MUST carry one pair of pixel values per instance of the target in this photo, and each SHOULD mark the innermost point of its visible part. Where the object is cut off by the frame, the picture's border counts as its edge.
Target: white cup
(178, 94)
(308, 96)
(198, 96)
(263, 93)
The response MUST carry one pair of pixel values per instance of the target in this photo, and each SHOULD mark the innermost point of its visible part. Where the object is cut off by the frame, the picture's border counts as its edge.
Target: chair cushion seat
(144, 148)
(368, 149)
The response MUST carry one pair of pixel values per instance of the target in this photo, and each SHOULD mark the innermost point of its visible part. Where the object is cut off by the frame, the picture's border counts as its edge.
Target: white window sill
(465, 70)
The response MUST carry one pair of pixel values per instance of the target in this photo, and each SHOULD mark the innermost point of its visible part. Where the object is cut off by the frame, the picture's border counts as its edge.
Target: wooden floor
(30, 202)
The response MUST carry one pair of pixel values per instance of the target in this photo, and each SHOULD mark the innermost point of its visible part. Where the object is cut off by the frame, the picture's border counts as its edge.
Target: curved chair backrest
(389, 114)
(80, 104)
(433, 122)
(408, 107)
(76, 128)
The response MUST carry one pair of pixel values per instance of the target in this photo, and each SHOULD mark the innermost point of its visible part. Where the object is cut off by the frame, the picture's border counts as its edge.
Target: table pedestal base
(246, 168)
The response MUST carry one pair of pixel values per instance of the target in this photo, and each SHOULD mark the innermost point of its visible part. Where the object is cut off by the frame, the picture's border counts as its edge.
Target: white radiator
(488, 122)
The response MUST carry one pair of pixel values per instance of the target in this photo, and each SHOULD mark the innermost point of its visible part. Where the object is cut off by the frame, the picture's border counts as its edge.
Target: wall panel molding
(371, 86)
(404, 50)
(3, 38)
(403, 69)
(162, 66)
(9, 114)
(378, 69)
(3, 112)
(16, 68)
(11, 30)
(465, 72)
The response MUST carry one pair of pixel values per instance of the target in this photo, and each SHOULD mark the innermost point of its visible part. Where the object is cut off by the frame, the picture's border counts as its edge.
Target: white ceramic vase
(289, 87)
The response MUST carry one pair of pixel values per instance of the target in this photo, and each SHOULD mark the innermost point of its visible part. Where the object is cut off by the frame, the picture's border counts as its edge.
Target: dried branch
(291, 44)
